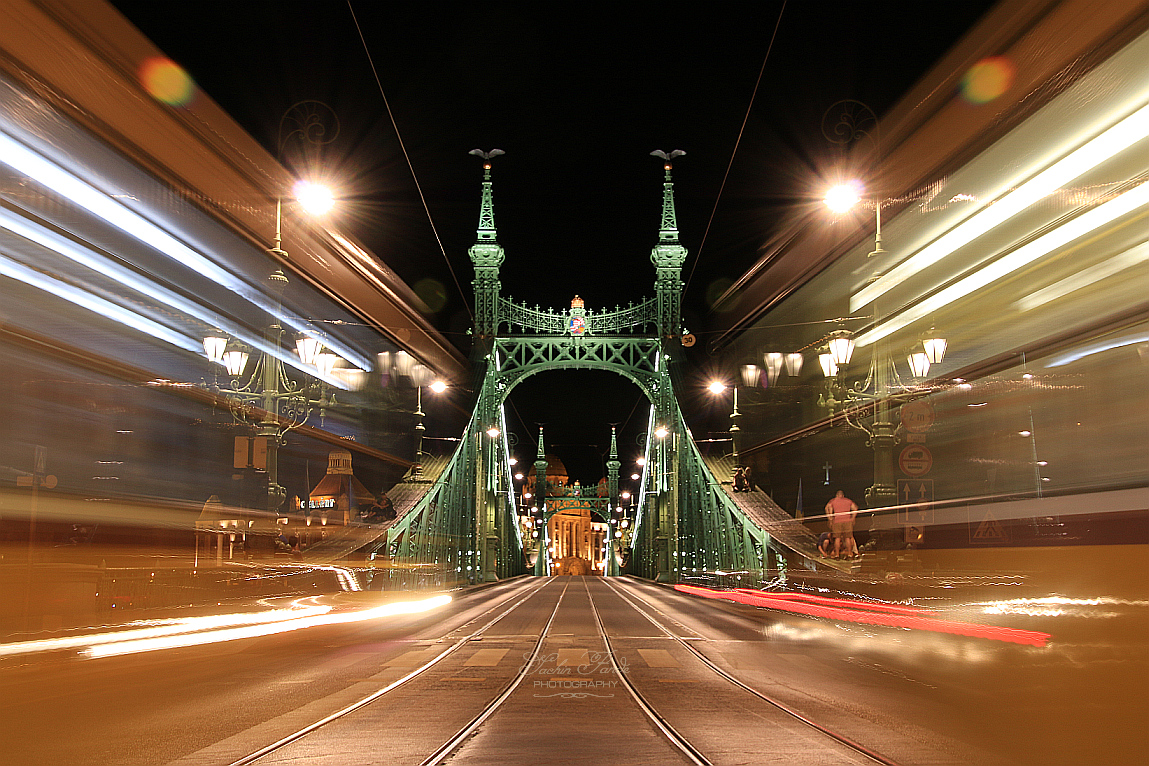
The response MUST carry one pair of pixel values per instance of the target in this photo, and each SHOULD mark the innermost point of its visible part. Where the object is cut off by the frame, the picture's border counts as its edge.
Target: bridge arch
(468, 524)
(507, 381)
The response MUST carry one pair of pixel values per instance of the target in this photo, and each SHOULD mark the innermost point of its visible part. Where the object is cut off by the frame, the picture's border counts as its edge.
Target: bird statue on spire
(486, 155)
(663, 155)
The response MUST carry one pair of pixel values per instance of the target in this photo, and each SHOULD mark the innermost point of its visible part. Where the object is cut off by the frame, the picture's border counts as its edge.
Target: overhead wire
(407, 157)
(737, 142)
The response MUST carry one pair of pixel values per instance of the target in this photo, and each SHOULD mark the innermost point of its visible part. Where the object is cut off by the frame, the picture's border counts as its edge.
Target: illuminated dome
(556, 472)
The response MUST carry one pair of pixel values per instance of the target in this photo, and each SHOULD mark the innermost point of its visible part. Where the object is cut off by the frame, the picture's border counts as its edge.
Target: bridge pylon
(686, 526)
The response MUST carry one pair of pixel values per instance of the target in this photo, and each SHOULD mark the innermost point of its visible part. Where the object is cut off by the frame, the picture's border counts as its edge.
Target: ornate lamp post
(882, 388)
(268, 397)
(868, 403)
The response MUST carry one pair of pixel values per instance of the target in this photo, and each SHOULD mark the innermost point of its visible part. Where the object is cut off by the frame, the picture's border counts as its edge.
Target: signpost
(915, 501)
(915, 494)
(916, 460)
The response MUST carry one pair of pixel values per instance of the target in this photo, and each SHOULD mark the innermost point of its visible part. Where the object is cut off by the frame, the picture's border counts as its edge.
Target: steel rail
(448, 747)
(304, 731)
(682, 743)
(840, 738)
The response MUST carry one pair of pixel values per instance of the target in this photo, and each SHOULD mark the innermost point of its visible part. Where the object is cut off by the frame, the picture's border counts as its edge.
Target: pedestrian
(841, 511)
(739, 480)
(825, 542)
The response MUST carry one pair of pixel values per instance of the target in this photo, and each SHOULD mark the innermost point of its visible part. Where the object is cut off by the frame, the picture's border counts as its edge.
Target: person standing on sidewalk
(841, 511)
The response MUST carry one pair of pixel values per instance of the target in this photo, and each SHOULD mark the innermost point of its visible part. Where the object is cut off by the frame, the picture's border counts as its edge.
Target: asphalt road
(911, 696)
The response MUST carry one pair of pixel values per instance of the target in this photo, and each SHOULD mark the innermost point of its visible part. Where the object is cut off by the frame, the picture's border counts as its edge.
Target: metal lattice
(464, 529)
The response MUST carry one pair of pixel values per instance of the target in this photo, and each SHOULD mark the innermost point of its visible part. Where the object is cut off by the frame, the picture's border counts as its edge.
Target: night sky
(577, 95)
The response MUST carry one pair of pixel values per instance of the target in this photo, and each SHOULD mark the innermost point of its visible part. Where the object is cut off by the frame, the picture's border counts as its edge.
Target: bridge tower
(612, 466)
(487, 256)
(685, 523)
(541, 466)
(668, 256)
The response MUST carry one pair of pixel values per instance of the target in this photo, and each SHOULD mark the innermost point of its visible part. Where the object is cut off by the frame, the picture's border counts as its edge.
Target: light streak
(126, 277)
(253, 631)
(863, 614)
(1085, 277)
(95, 304)
(163, 628)
(45, 172)
(1097, 348)
(196, 631)
(1087, 156)
(1083, 224)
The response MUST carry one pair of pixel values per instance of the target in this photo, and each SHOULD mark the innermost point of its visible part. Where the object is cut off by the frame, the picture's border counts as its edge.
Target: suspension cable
(726, 175)
(406, 156)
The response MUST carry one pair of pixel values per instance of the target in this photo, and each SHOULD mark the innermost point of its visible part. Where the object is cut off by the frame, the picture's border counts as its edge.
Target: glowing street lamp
(935, 347)
(308, 348)
(215, 346)
(919, 364)
(841, 346)
(842, 198)
(316, 199)
(235, 361)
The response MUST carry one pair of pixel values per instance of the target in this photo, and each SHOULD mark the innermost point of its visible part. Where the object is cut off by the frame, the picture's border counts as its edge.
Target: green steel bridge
(464, 528)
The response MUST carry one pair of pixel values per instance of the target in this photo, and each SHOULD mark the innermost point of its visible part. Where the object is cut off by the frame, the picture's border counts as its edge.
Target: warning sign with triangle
(989, 530)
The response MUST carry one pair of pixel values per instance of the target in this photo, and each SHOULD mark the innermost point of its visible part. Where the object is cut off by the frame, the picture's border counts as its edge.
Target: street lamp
(882, 388)
(420, 374)
(276, 403)
(750, 375)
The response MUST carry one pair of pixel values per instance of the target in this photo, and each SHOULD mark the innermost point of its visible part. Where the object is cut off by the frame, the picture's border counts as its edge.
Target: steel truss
(465, 530)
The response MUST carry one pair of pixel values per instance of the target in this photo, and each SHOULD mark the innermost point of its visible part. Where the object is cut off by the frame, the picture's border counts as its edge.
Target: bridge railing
(438, 543)
(633, 318)
(709, 538)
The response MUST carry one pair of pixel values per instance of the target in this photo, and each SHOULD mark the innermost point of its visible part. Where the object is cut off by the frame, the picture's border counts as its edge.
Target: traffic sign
(918, 416)
(989, 529)
(32, 480)
(916, 460)
(915, 499)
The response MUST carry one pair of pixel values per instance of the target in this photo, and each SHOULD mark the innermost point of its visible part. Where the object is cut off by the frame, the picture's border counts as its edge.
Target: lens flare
(987, 79)
(167, 81)
(433, 293)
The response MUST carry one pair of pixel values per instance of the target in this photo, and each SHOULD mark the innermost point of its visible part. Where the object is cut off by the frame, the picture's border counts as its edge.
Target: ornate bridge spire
(541, 466)
(612, 466)
(486, 255)
(668, 256)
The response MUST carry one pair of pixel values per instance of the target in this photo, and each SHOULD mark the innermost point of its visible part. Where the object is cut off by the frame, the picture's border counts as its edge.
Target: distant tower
(542, 558)
(668, 257)
(541, 467)
(612, 466)
(487, 256)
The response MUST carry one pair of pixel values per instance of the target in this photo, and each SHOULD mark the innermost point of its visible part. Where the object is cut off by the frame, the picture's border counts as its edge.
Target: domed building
(556, 476)
(576, 529)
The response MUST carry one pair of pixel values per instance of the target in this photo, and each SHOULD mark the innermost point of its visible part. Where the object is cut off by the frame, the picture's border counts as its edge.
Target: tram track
(773, 702)
(680, 741)
(304, 731)
(686, 736)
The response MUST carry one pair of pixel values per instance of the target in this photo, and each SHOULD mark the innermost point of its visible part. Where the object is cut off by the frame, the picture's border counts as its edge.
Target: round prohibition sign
(917, 417)
(916, 460)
